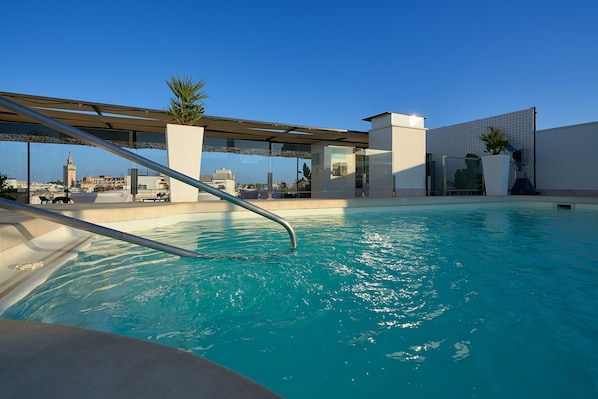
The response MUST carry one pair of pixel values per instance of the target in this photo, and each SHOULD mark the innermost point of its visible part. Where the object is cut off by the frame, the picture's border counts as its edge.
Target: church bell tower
(69, 173)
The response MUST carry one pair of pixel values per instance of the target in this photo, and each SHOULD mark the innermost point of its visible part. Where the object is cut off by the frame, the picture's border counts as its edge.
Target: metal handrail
(94, 228)
(114, 149)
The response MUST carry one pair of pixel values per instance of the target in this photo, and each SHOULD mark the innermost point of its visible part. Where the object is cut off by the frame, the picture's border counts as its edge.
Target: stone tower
(69, 173)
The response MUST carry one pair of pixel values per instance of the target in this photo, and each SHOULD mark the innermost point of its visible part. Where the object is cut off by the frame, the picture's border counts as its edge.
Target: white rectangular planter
(496, 174)
(184, 148)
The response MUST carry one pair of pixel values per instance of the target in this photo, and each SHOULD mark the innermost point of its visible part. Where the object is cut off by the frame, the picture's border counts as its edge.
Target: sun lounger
(64, 200)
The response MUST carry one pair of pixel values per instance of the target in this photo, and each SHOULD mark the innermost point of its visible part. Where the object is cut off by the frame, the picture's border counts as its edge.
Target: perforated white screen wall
(463, 138)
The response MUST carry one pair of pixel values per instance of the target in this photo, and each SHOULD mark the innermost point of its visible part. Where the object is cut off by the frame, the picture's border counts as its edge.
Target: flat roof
(88, 115)
(370, 118)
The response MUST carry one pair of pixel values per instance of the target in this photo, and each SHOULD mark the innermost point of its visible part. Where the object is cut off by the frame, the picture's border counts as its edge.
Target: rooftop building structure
(222, 179)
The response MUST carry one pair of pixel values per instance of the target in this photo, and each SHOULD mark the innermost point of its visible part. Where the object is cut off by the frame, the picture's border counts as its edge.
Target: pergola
(134, 127)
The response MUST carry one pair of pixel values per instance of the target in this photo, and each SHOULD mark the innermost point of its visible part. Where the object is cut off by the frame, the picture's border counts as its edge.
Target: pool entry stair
(94, 228)
(114, 149)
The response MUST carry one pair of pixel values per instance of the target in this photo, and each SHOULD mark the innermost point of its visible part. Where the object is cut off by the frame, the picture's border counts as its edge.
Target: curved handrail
(95, 228)
(114, 149)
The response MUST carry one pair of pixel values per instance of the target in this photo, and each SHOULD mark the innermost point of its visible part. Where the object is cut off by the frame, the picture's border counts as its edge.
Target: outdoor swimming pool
(491, 302)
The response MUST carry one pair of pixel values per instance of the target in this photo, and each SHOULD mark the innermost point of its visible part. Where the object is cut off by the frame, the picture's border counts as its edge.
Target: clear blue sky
(320, 63)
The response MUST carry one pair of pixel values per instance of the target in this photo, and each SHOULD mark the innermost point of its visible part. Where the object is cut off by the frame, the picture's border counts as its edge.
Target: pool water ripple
(489, 303)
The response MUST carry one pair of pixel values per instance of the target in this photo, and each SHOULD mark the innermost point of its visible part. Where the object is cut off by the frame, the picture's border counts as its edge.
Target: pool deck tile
(40, 360)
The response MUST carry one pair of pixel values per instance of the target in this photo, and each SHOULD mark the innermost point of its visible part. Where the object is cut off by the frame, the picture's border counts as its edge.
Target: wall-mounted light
(414, 119)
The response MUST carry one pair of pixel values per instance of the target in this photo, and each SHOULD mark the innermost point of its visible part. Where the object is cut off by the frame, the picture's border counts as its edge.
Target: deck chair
(64, 200)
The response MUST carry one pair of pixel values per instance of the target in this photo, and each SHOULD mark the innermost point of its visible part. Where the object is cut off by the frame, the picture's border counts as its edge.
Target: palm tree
(186, 107)
(495, 141)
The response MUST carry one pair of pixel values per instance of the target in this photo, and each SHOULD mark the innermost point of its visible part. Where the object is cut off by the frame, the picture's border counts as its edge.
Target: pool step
(24, 267)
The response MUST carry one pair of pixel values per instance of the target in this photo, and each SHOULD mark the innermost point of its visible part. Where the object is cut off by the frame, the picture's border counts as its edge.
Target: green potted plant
(495, 141)
(186, 107)
(184, 140)
(496, 165)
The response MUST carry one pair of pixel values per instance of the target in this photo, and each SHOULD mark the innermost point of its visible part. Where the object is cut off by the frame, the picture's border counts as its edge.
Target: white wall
(380, 173)
(566, 161)
(405, 136)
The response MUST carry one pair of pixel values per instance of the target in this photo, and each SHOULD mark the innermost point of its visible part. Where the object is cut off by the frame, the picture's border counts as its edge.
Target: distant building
(102, 183)
(69, 173)
(12, 183)
(149, 182)
(222, 179)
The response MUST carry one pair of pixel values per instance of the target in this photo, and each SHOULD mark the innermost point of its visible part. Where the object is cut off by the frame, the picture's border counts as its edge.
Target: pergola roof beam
(93, 115)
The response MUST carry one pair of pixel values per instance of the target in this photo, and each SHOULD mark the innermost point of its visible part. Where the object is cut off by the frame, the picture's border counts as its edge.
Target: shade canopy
(106, 120)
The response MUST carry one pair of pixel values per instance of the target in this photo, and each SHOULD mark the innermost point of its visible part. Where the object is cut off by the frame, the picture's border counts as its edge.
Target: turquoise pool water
(492, 302)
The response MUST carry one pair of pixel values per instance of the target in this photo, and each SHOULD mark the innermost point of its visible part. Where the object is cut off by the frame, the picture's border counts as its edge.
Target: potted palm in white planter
(184, 141)
(496, 165)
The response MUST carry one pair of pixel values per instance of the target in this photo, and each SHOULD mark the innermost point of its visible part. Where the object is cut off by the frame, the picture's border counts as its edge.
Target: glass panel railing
(461, 175)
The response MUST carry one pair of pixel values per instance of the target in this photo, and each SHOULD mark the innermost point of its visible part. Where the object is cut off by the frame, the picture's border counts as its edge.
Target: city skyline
(48, 161)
